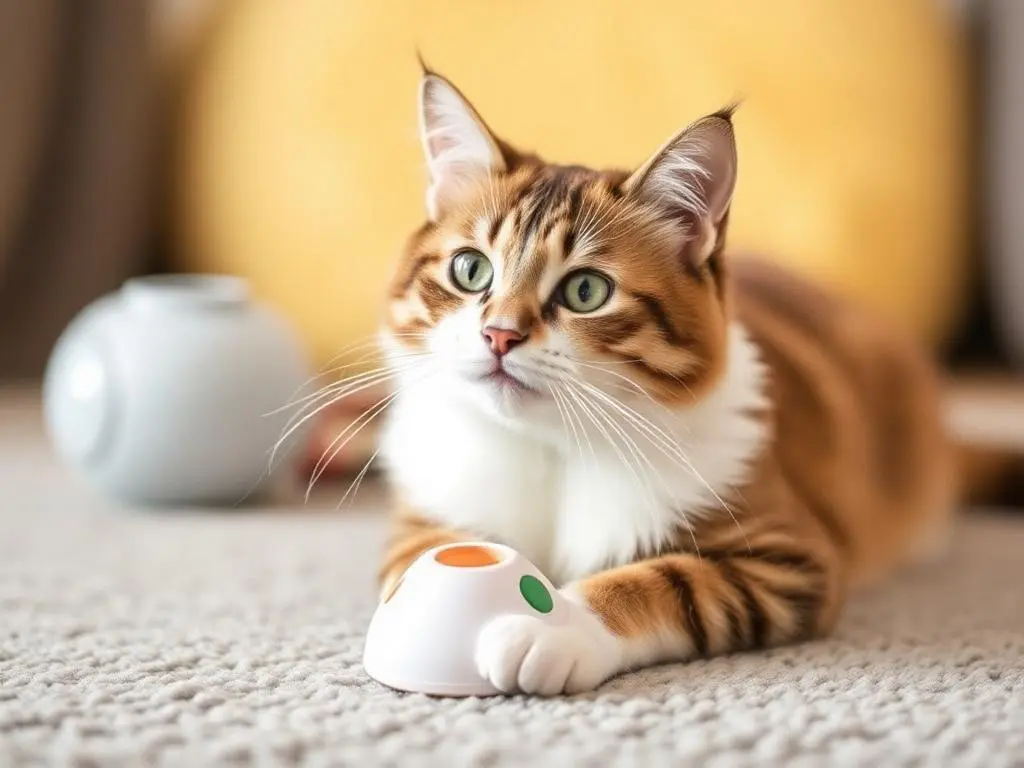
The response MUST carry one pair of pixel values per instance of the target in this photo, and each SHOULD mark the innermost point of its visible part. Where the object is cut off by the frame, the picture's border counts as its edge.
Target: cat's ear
(693, 176)
(459, 147)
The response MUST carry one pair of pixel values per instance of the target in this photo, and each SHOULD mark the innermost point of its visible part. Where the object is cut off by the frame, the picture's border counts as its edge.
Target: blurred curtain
(74, 164)
(1005, 169)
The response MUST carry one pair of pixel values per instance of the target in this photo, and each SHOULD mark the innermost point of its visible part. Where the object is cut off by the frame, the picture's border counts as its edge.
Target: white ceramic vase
(164, 392)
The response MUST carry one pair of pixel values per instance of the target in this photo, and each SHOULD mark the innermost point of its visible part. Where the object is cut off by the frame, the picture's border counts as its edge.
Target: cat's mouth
(506, 382)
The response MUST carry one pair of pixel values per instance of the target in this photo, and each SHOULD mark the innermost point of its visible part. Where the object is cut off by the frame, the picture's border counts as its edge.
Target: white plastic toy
(423, 635)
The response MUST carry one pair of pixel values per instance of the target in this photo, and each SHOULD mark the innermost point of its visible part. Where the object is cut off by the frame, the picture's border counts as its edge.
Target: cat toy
(423, 634)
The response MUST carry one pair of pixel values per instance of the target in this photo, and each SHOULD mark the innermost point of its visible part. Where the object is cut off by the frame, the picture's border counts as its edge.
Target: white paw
(523, 654)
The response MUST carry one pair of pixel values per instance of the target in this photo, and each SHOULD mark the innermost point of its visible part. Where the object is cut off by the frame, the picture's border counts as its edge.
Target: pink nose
(502, 340)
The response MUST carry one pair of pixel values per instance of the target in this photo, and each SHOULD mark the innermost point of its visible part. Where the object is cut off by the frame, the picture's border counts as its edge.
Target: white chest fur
(575, 502)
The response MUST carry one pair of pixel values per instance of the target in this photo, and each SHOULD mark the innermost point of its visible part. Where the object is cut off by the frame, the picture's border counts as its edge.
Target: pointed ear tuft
(693, 176)
(424, 67)
(726, 112)
(459, 147)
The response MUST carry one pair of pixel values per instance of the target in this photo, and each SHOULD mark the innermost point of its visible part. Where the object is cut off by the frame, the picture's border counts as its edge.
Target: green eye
(471, 271)
(585, 291)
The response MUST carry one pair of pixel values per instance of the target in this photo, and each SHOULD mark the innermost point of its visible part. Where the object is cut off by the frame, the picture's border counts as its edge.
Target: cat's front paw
(523, 654)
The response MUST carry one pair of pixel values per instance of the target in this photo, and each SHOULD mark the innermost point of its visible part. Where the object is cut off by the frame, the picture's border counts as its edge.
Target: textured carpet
(135, 638)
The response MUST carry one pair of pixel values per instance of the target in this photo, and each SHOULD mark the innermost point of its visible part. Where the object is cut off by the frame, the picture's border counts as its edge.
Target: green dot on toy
(536, 594)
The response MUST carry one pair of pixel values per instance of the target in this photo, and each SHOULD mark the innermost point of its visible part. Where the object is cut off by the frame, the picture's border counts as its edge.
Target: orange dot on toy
(471, 556)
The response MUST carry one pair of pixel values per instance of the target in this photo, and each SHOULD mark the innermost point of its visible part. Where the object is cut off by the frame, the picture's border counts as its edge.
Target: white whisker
(336, 392)
(338, 444)
(664, 443)
(349, 387)
(685, 521)
(333, 386)
(589, 409)
(587, 235)
(646, 395)
(588, 214)
(571, 409)
(356, 346)
(624, 210)
(566, 417)
(643, 462)
(358, 481)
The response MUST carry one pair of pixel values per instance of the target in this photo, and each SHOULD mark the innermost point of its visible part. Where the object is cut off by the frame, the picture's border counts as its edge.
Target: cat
(704, 453)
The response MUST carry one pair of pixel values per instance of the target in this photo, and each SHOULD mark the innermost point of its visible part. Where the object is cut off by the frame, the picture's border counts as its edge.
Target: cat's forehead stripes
(546, 201)
(544, 198)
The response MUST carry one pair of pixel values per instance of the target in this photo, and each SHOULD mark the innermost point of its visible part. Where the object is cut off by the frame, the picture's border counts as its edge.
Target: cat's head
(530, 279)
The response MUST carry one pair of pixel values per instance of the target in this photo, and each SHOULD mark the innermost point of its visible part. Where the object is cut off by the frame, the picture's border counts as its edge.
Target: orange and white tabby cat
(705, 455)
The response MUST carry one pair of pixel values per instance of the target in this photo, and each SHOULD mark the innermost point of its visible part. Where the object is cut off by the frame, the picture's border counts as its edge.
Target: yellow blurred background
(298, 165)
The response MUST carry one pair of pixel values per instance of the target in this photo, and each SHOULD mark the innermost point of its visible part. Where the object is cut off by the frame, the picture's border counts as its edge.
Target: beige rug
(129, 637)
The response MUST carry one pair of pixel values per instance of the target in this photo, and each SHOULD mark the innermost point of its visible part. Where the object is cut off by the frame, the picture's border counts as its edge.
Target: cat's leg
(669, 608)
(411, 536)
